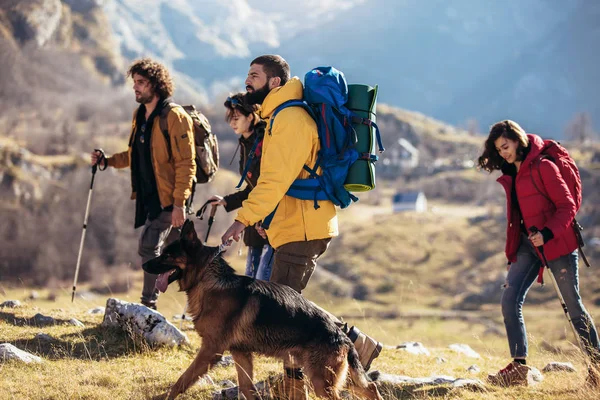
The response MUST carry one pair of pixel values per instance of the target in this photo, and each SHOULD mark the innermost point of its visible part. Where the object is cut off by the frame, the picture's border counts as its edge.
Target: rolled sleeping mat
(362, 101)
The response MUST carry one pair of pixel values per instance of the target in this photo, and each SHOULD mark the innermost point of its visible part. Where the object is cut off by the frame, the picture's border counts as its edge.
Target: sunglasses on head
(234, 102)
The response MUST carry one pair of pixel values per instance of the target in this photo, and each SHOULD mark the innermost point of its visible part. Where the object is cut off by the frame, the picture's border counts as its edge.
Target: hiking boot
(593, 377)
(288, 386)
(368, 349)
(148, 304)
(515, 374)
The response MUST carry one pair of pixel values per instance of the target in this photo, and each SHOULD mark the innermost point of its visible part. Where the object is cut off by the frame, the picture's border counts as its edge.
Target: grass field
(417, 269)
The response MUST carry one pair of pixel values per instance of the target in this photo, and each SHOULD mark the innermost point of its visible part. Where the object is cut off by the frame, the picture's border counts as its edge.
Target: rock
(559, 367)
(225, 361)
(10, 352)
(36, 21)
(534, 376)
(84, 5)
(96, 310)
(263, 390)
(440, 360)
(42, 320)
(34, 295)
(144, 321)
(474, 385)
(464, 349)
(43, 337)
(474, 369)
(398, 381)
(413, 348)
(10, 304)
(76, 322)
(401, 379)
(226, 384)
(206, 380)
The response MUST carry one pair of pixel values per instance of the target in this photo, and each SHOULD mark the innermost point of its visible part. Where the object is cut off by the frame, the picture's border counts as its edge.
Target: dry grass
(94, 363)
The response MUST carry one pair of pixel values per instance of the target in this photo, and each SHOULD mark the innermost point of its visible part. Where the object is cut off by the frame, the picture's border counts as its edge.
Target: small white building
(409, 201)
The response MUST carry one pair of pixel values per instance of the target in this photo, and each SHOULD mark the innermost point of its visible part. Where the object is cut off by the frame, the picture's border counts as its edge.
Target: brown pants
(295, 262)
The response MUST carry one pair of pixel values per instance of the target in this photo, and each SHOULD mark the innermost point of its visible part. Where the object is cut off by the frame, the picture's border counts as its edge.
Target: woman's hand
(260, 230)
(217, 200)
(537, 239)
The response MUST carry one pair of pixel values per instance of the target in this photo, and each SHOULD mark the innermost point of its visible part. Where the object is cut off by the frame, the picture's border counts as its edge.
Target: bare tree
(580, 128)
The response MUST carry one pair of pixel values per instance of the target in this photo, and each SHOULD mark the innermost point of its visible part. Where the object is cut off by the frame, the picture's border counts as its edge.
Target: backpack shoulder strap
(290, 103)
(164, 113)
(538, 162)
(164, 126)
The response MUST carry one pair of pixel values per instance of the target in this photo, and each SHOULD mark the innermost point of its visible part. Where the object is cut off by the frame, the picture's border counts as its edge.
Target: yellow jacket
(174, 171)
(291, 144)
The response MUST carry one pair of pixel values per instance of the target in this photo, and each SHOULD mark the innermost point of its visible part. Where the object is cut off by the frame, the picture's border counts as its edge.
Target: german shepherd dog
(245, 316)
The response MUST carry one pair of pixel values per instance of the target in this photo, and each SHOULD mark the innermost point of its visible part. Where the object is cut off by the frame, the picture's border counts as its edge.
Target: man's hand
(95, 157)
(260, 230)
(537, 239)
(233, 232)
(217, 200)
(177, 216)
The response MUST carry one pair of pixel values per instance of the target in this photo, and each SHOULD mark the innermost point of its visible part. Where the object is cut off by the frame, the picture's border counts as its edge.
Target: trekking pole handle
(534, 229)
(101, 159)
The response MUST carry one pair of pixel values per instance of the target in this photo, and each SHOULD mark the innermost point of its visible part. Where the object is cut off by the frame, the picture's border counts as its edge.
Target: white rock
(226, 384)
(206, 380)
(464, 349)
(473, 369)
(263, 390)
(225, 361)
(10, 352)
(559, 367)
(413, 348)
(75, 322)
(96, 310)
(144, 321)
(402, 379)
(10, 304)
(472, 384)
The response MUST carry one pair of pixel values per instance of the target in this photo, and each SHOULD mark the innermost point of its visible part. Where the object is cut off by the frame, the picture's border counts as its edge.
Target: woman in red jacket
(525, 174)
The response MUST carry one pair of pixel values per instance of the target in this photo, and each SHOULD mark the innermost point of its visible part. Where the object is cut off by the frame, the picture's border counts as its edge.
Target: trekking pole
(533, 229)
(211, 219)
(85, 219)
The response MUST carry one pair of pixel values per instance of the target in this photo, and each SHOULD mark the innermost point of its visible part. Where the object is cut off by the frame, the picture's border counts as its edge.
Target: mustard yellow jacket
(292, 143)
(174, 171)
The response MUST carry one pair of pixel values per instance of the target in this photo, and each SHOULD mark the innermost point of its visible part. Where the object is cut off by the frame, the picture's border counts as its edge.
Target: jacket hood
(536, 147)
(292, 90)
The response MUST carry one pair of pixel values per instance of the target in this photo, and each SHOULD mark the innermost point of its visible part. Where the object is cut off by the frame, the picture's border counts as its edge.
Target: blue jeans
(521, 276)
(259, 262)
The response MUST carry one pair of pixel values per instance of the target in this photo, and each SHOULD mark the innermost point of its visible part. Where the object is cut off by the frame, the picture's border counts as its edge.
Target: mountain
(531, 61)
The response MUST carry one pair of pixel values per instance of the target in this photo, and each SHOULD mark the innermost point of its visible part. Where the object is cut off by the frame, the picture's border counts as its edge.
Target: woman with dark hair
(244, 120)
(537, 197)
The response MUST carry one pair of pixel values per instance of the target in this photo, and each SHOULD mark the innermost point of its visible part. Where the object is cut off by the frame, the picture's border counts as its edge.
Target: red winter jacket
(557, 215)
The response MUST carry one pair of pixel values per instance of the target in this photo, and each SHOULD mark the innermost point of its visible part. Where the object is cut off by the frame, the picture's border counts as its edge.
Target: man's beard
(144, 99)
(257, 96)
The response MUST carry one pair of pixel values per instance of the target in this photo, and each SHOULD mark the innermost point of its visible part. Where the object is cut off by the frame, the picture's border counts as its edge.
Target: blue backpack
(324, 98)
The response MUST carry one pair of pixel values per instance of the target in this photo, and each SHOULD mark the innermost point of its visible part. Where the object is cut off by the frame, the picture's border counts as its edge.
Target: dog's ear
(188, 232)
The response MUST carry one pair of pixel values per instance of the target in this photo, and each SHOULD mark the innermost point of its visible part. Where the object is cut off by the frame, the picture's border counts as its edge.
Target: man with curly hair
(162, 165)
